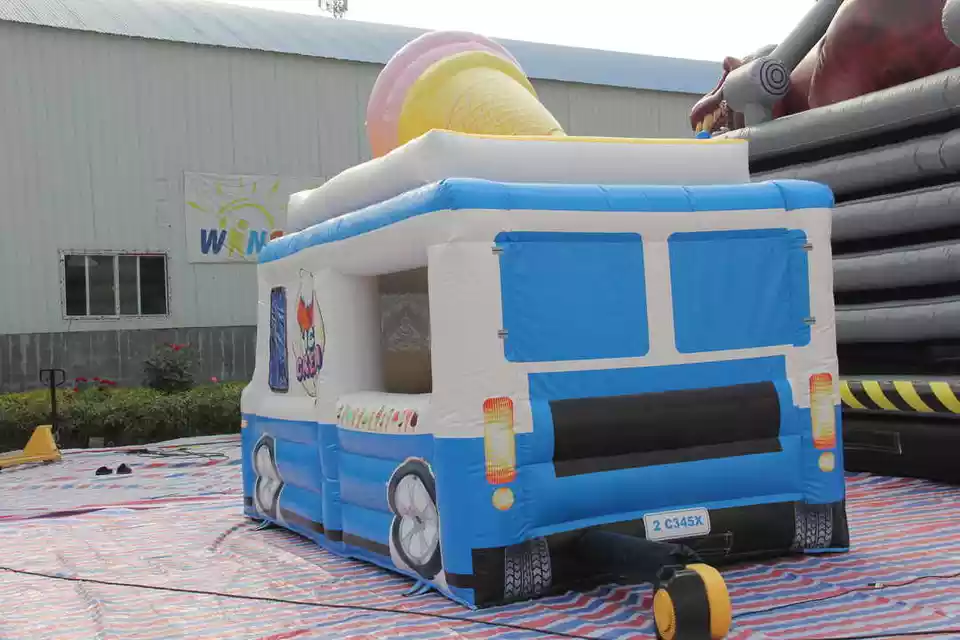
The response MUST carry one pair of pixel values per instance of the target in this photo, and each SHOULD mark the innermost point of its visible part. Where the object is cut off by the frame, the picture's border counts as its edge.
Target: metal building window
(109, 285)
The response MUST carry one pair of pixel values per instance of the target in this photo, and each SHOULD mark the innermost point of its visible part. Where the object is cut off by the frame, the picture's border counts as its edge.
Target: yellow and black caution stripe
(906, 396)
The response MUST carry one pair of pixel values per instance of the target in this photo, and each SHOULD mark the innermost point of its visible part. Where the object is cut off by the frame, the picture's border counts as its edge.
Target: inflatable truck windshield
(627, 337)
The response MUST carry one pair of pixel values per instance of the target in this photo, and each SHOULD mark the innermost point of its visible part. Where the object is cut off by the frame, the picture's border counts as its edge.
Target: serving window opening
(405, 332)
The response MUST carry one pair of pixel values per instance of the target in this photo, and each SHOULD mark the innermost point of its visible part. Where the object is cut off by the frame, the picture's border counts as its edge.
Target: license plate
(672, 525)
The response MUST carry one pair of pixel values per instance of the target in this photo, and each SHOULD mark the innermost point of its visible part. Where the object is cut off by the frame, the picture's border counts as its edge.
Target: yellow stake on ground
(40, 448)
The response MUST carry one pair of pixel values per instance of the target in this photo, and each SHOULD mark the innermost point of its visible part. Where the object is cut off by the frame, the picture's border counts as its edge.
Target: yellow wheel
(721, 611)
(664, 615)
(693, 604)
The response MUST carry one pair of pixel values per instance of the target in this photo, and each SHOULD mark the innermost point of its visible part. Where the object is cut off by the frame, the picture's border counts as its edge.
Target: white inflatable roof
(439, 155)
(395, 235)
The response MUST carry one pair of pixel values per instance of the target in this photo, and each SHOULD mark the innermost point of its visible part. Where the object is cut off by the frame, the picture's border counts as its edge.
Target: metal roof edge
(202, 22)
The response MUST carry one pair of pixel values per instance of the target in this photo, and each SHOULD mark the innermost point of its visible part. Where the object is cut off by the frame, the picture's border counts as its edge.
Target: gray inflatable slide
(892, 158)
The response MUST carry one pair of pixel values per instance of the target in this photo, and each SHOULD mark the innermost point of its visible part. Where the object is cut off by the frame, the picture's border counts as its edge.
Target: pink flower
(214, 380)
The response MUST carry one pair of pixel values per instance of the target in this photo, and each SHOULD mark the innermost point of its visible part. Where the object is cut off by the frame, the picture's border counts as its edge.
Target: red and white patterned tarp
(176, 523)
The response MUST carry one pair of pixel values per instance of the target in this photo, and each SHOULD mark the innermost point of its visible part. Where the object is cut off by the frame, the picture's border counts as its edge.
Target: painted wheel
(693, 603)
(527, 572)
(813, 527)
(415, 531)
(269, 484)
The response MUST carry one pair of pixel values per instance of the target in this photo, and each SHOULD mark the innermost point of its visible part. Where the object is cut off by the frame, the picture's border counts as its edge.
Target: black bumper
(739, 534)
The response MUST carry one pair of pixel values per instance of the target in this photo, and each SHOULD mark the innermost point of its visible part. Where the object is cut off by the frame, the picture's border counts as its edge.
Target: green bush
(169, 368)
(122, 416)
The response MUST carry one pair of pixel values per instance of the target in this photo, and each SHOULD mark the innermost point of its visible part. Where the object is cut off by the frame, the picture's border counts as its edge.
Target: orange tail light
(499, 441)
(822, 411)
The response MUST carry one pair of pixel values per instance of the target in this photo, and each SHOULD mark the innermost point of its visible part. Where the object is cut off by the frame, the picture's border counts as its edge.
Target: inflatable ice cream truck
(628, 343)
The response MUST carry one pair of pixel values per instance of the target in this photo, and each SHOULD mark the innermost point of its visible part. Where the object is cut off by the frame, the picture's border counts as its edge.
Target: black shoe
(123, 469)
(104, 471)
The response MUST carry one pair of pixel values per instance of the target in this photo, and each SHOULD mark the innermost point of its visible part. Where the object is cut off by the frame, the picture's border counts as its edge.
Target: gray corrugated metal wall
(96, 132)
(611, 111)
(227, 353)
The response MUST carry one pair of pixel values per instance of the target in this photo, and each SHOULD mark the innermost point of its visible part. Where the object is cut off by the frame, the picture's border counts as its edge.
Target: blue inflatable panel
(541, 272)
(738, 289)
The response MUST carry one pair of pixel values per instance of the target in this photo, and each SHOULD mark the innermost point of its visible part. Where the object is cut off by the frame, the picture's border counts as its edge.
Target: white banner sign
(231, 218)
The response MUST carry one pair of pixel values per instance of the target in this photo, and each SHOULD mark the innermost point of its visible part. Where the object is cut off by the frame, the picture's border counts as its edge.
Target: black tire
(527, 572)
(270, 506)
(813, 527)
(431, 566)
(416, 467)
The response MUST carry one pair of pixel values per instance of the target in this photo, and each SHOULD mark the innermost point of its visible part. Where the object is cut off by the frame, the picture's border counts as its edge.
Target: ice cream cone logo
(308, 351)
(378, 420)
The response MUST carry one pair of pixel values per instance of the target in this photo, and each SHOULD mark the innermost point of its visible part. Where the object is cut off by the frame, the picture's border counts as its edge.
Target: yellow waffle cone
(474, 92)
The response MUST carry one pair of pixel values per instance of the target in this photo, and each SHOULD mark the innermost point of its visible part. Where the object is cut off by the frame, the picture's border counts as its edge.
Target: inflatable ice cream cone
(474, 92)
(455, 81)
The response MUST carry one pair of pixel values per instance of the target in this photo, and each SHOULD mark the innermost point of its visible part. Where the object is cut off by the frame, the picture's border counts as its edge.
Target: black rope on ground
(503, 625)
(302, 603)
(876, 586)
(223, 536)
(180, 452)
